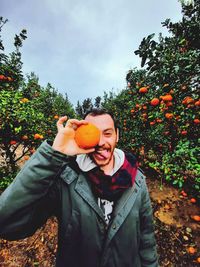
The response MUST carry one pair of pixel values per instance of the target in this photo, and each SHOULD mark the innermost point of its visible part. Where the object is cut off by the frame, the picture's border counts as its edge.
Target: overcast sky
(84, 47)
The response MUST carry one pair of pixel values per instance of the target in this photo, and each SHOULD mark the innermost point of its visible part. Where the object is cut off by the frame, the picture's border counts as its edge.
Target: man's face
(103, 155)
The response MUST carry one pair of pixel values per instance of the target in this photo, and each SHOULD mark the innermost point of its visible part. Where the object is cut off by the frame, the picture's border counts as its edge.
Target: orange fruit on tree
(184, 132)
(169, 116)
(196, 121)
(193, 200)
(197, 103)
(191, 250)
(187, 100)
(169, 104)
(24, 137)
(26, 157)
(143, 90)
(184, 193)
(196, 218)
(87, 136)
(198, 260)
(36, 136)
(9, 79)
(144, 115)
(155, 101)
(56, 117)
(13, 142)
(144, 107)
(167, 97)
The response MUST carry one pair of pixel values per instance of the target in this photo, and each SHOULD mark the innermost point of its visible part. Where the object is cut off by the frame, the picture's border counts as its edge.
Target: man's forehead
(101, 120)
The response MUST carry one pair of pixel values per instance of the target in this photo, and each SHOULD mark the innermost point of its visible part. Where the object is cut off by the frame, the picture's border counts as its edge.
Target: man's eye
(108, 134)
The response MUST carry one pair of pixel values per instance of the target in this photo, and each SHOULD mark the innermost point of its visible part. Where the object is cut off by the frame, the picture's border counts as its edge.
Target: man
(98, 195)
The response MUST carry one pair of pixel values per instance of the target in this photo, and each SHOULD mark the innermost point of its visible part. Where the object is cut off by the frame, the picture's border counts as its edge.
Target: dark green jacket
(48, 185)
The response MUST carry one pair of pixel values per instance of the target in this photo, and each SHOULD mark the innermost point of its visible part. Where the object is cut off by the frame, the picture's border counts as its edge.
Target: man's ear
(117, 131)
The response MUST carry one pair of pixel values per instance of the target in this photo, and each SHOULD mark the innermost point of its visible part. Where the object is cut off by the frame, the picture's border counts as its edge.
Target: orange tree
(28, 112)
(159, 110)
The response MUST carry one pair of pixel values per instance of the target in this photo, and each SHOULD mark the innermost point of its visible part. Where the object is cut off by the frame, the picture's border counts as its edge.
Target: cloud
(84, 47)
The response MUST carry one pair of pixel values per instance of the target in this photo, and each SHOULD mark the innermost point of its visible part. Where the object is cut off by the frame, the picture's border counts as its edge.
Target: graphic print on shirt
(107, 208)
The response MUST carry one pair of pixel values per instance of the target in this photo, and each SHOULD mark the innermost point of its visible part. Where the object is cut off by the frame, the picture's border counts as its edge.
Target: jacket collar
(82, 187)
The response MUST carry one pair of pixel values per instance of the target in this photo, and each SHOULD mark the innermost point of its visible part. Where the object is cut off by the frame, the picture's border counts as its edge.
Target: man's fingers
(74, 123)
(61, 121)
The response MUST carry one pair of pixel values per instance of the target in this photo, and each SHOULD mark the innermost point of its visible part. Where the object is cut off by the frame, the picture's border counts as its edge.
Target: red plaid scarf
(111, 187)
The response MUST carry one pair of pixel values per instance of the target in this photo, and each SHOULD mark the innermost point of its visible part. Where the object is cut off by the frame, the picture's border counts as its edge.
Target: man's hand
(64, 141)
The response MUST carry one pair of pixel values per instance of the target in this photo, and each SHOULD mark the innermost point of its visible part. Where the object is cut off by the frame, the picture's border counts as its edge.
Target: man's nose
(101, 140)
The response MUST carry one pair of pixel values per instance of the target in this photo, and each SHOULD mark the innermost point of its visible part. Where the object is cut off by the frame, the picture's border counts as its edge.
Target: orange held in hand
(87, 136)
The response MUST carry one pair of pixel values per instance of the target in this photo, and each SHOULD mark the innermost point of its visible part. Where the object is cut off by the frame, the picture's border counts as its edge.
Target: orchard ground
(177, 234)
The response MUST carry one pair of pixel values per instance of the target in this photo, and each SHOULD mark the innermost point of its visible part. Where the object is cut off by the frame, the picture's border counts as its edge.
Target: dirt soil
(176, 232)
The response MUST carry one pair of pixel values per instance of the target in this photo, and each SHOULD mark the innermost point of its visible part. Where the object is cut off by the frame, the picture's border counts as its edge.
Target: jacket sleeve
(32, 197)
(148, 252)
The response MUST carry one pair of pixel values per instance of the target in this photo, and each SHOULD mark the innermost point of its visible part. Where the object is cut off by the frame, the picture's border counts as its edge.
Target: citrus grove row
(157, 113)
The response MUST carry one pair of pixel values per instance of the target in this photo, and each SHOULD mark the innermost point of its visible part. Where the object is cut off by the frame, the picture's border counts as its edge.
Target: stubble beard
(102, 163)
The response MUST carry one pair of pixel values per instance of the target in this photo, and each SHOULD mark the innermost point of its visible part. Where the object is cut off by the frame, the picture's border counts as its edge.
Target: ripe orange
(169, 116)
(143, 90)
(24, 137)
(196, 218)
(184, 193)
(13, 142)
(184, 132)
(87, 136)
(193, 200)
(36, 136)
(197, 103)
(169, 104)
(9, 79)
(196, 121)
(26, 157)
(144, 115)
(144, 107)
(191, 250)
(187, 100)
(167, 98)
(155, 101)
(56, 117)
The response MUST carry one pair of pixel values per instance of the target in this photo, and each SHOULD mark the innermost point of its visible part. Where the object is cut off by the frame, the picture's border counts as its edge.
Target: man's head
(103, 154)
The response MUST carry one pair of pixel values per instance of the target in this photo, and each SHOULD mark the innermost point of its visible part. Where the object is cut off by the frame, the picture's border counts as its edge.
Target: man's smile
(102, 154)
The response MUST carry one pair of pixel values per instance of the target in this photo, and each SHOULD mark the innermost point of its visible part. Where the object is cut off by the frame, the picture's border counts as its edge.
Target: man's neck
(109, 167)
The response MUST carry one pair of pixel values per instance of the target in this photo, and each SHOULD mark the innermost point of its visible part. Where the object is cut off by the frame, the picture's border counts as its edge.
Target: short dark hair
(101, 111)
